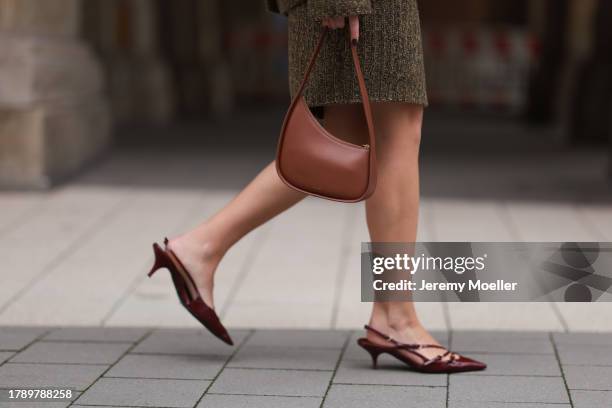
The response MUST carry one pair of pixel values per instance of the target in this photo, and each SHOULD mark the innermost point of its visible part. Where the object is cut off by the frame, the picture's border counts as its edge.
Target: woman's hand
(338, 22)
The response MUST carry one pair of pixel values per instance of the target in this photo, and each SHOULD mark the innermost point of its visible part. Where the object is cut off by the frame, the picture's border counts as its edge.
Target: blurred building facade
(69, 69)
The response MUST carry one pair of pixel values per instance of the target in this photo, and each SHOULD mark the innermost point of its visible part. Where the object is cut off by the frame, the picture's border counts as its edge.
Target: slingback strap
(411, 348)
(405, 346)
(365, 99)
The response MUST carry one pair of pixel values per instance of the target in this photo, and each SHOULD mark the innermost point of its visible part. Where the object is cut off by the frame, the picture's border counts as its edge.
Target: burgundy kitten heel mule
(408, 354)
(187, 291)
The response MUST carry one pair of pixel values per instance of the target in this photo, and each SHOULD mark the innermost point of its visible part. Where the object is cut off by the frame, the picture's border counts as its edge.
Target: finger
(340, 22)
(325, 22)
(354, 26)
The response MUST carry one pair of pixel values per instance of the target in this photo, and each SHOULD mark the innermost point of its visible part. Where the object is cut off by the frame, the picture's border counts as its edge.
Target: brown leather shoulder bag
(313, 161)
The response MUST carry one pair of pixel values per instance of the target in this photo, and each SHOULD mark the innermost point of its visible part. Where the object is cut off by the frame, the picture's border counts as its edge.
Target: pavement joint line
(55, 363)
(281, 369)
(476, 374)
(331, 380)
(587, 365)
(559, 315)
(345, 249)
(131, 287)
(493, 353)
(517, 402)
(263, 395)
(251, 254)
(293, 348)
(228, 359)
(130, 406)
(78, 242)
(155, 378)
(112, 365)
(591, 389)
(138, 353)
(554, 345)
(392, 385)
(37, 338)
(85, 341)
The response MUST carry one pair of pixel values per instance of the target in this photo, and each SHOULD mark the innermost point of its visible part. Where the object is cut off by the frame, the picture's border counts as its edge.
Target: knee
(400, 126)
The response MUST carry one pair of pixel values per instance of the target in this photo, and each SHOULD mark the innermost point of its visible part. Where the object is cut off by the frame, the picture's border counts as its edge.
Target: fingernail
(354, 42)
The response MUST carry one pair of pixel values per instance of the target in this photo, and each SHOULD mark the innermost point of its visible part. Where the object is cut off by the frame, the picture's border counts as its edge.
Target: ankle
(207, 248)
(395, 324)
(211, 251)
(401, 324)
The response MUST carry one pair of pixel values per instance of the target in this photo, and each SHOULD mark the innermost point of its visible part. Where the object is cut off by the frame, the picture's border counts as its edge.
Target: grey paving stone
(97, 334)
(70, 352)
(144, 392)
(31, 404)
(271, 382)
(502, 342)
(72, 376)
(588, 378)
(470, 404)
(299, 338)
(390, 372)
(285, 357)
(187, 341)
(168, 366)
(591, 399)
(5, 355)
(378, 396)
(507, 389)
(517, 364)
(257, 401)
(16, 338)
(584, 339)
(585, 355)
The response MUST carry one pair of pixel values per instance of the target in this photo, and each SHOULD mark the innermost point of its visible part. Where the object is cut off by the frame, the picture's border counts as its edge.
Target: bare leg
(392, 211)
(202, 248)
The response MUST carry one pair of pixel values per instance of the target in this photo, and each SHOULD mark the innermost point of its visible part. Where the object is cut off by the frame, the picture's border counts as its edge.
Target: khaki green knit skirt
(390, 50)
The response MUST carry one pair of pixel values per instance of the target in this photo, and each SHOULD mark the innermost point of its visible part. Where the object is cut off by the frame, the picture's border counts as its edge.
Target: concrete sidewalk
(289, 291)
(138, 367)
(77, 255)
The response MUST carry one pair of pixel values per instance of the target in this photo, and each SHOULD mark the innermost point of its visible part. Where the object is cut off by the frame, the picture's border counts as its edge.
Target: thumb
(354, 26)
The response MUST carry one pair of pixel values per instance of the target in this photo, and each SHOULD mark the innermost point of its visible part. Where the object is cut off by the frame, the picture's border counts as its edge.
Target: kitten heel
(160, 260)
(372, 350)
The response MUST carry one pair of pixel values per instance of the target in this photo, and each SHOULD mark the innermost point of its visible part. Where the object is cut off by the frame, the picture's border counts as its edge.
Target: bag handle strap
(365, 99)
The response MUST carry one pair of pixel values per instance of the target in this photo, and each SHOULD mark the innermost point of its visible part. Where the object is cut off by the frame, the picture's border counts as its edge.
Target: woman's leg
(202, 248)
(392, 211)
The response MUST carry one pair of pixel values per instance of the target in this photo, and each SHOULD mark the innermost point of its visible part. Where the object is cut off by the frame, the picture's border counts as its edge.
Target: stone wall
(125, 34)
(53, 114)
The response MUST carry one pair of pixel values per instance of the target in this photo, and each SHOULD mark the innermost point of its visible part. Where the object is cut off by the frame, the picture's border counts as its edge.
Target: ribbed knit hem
(389, 49)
